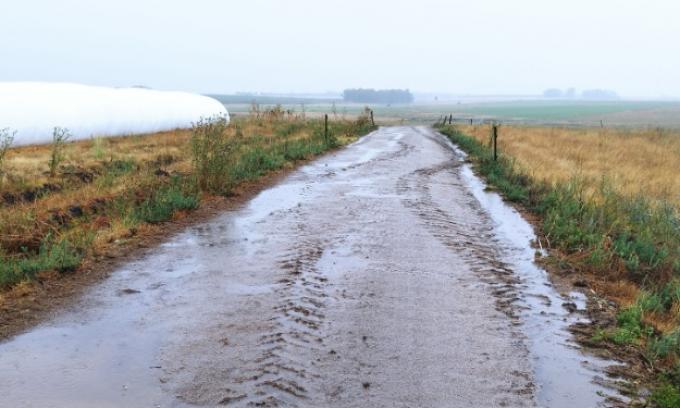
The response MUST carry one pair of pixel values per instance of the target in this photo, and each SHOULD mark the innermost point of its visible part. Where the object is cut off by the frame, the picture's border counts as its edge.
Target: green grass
(630, 329)
(666, 396)
(113, 170)
(164, 202)
(61, 256)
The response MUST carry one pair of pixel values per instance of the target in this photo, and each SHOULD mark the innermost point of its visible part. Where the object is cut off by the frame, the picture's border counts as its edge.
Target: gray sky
(479, 47)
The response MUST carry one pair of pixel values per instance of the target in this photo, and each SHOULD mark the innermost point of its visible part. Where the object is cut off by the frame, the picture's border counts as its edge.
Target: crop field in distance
(537, 112)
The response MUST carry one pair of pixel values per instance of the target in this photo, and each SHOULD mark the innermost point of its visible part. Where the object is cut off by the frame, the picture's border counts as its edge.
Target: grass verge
(613, 236)
(100, 194)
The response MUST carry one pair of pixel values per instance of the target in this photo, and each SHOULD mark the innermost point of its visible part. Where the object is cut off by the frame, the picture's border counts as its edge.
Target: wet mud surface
(383, 275)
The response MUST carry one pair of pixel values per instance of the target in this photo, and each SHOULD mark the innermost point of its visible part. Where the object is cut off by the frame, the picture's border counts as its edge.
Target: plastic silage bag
(34, 109)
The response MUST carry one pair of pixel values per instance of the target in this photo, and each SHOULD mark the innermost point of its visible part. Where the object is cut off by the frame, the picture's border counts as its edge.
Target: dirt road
(372, 277)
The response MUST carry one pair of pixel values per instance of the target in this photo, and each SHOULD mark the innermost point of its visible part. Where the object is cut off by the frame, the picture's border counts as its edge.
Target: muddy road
(379, 276)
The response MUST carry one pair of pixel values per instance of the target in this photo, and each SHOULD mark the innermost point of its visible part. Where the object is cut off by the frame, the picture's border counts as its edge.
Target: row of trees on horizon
(571, 93)
(386, 96)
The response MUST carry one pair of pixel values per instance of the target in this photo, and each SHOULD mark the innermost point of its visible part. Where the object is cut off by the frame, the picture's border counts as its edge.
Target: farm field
(635, 114)
(635, 162)
(576, 112)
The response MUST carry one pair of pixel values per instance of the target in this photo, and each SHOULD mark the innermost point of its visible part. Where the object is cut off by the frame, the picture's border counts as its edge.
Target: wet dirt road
(372, 277)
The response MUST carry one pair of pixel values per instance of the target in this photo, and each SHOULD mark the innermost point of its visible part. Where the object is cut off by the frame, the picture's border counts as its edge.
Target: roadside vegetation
(66, 203)
(609, 204)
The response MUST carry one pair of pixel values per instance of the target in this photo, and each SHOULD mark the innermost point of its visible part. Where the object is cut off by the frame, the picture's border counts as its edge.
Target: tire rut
(470, 234)
(282, 374)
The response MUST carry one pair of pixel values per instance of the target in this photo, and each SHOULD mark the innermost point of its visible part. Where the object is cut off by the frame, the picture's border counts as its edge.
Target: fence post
(470, 121)
(450, 118)
(495, 139)
(325, 127)
(372, 121)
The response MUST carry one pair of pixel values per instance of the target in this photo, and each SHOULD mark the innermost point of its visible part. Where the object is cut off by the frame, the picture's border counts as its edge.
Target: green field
(585, 113)
(557, 110)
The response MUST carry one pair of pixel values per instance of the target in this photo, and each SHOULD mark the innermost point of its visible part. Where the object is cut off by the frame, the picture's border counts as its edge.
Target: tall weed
(59, 138)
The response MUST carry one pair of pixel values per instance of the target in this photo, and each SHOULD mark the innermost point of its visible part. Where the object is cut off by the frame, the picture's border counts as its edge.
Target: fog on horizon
(210, 46)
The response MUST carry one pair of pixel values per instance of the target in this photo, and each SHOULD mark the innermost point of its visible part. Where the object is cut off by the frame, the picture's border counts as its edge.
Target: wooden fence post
(325, 127)
(495, 141)
(450, 118)
(470, 121)
(372, 121)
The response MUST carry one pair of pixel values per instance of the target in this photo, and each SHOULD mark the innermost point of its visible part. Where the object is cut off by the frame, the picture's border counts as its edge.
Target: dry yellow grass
(26, 168)
(29, 165)
(635, 162)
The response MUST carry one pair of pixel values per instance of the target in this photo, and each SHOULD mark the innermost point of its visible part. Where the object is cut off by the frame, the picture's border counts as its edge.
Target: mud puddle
(94, 356)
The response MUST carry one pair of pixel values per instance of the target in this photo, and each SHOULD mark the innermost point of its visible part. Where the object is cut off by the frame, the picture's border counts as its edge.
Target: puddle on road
(102, 352)
(564, 375)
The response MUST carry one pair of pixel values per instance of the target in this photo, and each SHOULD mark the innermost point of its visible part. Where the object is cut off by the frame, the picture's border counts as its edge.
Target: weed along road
(382, 275)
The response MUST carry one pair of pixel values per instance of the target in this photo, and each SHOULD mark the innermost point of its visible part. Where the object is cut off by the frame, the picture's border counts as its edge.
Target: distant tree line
(596, 94)
(601, 94)
(558, 93)
(386, 96)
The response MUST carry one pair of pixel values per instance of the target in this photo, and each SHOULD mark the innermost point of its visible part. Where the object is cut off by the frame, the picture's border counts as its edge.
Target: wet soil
(383, 275)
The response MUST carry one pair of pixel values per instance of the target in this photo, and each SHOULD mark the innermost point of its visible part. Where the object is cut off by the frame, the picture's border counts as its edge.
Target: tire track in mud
(283, 371)
(404, 149)
(284, 374)
(470, 234)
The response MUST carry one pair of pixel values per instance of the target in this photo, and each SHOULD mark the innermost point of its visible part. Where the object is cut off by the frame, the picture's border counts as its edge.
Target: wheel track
(470, 236)
(282, 373)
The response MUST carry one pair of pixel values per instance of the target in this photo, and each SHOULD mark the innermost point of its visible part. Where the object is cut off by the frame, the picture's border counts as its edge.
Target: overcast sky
(477, 47)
